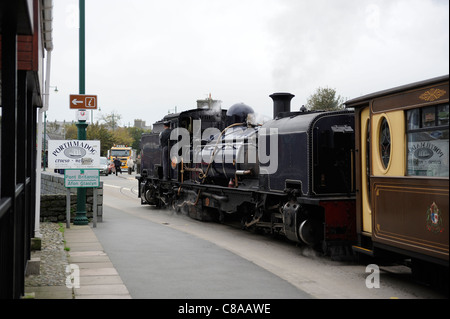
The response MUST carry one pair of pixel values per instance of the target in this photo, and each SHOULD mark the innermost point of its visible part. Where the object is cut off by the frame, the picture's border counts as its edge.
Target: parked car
(104, 166)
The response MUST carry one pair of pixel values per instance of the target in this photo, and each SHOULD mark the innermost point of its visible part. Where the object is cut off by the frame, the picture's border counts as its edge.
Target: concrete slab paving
(50, 292)
(127, 296)
(98, 277)
(91, 265)
(87, 253)
(89, 259)
(77, 247)
(100, 280)
(99, 272)
(94, 271)
(101, 289)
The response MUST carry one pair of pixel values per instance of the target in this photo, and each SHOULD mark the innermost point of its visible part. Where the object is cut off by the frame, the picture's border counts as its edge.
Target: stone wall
(53, 199)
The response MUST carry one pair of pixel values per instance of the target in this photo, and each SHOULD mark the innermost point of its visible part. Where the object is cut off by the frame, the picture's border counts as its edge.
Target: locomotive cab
(333, 159)
(316, 171)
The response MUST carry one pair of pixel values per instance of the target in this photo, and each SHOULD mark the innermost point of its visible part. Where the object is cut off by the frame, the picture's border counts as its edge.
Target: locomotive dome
(238, 113)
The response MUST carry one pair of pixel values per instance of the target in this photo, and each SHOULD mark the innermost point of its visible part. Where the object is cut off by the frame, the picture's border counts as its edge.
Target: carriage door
(365, 170)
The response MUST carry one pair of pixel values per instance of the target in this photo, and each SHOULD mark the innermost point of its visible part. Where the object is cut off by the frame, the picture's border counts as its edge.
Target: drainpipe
(47, 11)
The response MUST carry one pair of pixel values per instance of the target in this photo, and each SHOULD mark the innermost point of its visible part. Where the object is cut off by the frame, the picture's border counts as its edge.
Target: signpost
(80, 218)
(83, 101)
(82, 178)
(80, 160)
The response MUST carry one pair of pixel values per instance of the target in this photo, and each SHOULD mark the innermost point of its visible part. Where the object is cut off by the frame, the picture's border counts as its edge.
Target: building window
(385, 143)
(427, 135)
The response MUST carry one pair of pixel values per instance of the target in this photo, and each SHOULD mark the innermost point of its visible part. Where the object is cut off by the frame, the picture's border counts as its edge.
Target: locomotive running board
(362, 250)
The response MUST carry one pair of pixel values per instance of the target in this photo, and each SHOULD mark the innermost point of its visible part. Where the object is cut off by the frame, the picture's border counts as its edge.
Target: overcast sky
(145, 57)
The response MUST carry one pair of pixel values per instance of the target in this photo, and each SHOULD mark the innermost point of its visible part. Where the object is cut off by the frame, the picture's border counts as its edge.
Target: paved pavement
(94, 276)
(98, 277)
(159, 262)
(129, 257)
(152, 261)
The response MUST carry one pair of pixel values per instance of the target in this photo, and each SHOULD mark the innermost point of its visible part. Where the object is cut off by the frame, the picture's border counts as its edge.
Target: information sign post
(82, 179)
(81, 218)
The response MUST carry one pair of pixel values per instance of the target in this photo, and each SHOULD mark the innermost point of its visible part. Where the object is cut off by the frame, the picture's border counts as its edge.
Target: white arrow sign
(75, 102)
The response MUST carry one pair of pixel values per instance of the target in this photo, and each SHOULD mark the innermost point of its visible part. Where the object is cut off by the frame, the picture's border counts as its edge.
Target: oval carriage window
(385, 143)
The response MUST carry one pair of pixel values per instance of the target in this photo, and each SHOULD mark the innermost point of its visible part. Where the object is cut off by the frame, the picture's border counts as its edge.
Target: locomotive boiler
(293, 175)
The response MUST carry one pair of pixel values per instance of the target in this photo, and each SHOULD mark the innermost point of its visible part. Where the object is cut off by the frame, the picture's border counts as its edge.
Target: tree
(136, 133)
(325, 99)
(100, 132)
(53, 127)
(122, 137)
(111, 120)
(71, 131)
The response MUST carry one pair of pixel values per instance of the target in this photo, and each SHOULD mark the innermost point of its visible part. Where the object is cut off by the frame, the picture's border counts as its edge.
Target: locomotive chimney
(281, 103)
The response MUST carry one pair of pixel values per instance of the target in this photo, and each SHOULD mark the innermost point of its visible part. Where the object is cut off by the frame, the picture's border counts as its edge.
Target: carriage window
(427, 134)
(413, 119)
(443, 115)
(385, 143)
(429, 116)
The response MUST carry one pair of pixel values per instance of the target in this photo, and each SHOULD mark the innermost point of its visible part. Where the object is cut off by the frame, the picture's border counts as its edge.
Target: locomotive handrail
(195, 169)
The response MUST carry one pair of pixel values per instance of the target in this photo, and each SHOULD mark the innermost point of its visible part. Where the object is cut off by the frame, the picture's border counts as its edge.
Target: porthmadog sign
(66, 154)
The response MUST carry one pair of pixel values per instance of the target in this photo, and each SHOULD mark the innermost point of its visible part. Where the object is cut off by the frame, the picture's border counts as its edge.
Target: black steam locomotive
(293, 175)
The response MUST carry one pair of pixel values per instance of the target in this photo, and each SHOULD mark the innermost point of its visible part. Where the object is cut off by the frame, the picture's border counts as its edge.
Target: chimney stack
(281, 103)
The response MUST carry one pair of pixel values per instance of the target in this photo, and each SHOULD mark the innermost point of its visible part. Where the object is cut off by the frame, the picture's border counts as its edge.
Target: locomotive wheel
(309, 232)
(149, 196)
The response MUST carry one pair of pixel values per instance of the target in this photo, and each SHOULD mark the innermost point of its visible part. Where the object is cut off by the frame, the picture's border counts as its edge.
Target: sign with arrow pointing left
(83, 101)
